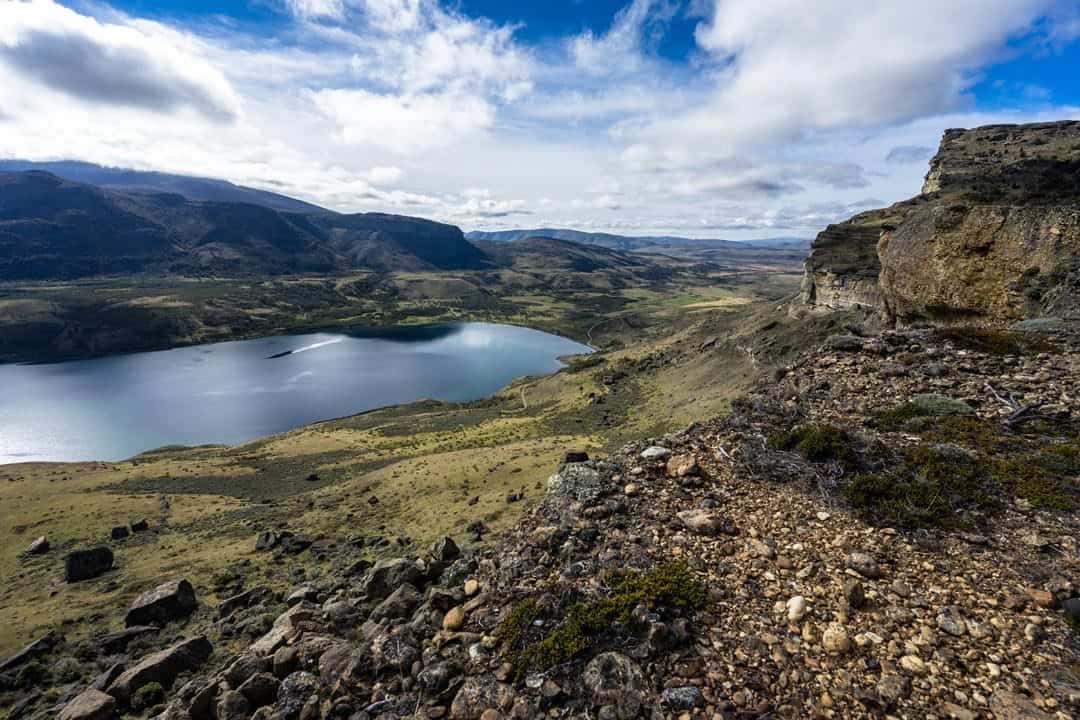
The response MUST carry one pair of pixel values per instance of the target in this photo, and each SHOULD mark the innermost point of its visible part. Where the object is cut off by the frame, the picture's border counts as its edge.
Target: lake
(114, 407)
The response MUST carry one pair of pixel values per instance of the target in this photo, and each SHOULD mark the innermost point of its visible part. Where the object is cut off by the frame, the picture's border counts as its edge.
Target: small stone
(1042, 598)
(864, 564)
(951, 621)
(700, 522)
(892, 688)
(796, 608)
(38, 547)
(682, 698)
(854, 593)
(1034, 633)
(454, 619)
(835, 639)
(914, 665)
(632, 490)
(655, 453)
(471, 588)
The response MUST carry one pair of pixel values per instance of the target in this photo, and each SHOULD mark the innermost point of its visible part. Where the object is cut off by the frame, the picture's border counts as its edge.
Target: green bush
(922, 406)
(148, 696)
(818, 443)
(930, 488)
(669, 586)
(995, 342)
(1045, 477)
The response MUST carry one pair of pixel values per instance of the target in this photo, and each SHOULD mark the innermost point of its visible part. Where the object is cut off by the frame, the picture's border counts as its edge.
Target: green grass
(921, 406)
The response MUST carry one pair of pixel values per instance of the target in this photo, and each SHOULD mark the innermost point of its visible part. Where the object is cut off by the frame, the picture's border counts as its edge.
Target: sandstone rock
(835, 639)
(1012, 706)
(167, 602)
(614, 680)
(90, 704)
(260, 689)
(796, 608)
(87, 564)
(680, 466)
(162, 667)
(454, 619)
(231, 705)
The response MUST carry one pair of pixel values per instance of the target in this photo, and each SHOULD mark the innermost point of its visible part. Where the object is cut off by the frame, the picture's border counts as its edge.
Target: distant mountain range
(56, 228)
(631, 243)
(63, 220)
(193, 188)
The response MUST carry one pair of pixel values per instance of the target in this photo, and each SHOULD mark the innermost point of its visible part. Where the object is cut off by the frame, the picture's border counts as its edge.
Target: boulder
(294, 692)
(260, 689)
(38, 547)
(87, 564)
(162, 667)
(171, 601)
(400, 604)
(42, 646)
(1013, 706)
(243, 600)
(119, 532)
(388, 575)
(578, 482)
(445, 550)
(614, 680)
(117, 642)
(90, 704)
(140, 525)
(266, 540)
(575, 456)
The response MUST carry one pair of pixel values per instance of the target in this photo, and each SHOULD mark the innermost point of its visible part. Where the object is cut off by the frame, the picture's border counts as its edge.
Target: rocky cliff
(994, 236)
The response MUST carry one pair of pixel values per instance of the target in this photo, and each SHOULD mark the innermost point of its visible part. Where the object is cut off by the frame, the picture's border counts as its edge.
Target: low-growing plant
(1046, 477)
(922, 406)
(148, 696)
(668, 586)
(995, 342)
(818, 443)
(930, 488)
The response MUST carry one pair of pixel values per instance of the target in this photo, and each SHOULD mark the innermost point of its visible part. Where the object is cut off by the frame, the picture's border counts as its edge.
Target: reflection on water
(112, 408)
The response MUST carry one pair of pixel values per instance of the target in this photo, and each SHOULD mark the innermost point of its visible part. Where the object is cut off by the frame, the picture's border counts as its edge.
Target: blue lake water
(115, 407)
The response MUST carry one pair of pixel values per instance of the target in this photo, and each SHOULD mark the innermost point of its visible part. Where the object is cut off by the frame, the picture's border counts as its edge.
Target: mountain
(55, 228)
(193, 188)
(993, 236)
(628, 243)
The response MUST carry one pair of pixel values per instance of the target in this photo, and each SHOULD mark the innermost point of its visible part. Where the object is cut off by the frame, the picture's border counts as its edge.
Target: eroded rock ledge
(994, 235)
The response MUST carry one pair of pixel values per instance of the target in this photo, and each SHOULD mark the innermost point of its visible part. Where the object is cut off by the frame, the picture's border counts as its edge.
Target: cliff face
(995, 235)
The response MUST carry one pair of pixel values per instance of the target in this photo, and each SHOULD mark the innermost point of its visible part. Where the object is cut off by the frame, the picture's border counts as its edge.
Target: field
(669, 354)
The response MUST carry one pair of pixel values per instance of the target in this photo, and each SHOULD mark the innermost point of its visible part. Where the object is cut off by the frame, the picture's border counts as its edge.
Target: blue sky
(718, 118)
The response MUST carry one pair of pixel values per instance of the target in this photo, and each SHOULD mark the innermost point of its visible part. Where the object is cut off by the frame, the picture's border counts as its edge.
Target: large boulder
(577, 481)
(90, 704)
(162, 667)
(388, 575)
(117, 642)
(171, 601)
(42, 646)
(87, 564)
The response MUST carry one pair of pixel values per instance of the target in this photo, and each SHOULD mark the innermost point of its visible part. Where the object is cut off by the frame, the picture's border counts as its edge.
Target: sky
(702, 118)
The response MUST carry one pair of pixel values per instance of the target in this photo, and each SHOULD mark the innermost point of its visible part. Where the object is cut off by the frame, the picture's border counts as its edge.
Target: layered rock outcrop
(994, 236)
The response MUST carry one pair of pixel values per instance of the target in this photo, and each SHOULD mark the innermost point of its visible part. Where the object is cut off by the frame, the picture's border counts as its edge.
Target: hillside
(629, 243)
(51, 228)
(993, 236)
(193, 188)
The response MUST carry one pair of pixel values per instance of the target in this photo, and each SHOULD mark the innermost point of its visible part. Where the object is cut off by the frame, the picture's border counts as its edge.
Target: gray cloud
(909, 154)
(119, 74)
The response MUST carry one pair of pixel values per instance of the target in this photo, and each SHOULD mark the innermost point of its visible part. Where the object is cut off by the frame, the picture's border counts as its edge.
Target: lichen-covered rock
(577, 481)
(162, 667)
(614, 680)
(479, 694)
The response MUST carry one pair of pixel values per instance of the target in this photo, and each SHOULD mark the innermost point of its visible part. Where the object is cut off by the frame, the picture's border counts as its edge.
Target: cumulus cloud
(108, 64)
(404, 124)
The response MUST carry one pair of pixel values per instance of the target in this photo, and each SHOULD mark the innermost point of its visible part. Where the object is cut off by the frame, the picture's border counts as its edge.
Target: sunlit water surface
(115, 407)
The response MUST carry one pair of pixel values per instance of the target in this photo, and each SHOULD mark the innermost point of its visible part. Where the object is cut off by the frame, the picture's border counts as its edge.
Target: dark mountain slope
(193, 188)
(631, 243)
(54, 228)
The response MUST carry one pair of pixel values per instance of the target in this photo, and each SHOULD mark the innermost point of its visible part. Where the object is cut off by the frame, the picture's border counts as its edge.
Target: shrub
(148, 696)
(667, 586)
(817, 443)
(922, 406)
(995, 342)
(67, 670)
(1045, 477)
(930, 488)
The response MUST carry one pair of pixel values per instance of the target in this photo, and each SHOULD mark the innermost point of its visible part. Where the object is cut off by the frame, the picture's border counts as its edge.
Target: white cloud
(88, 61)
(404, 124)
(316, 8)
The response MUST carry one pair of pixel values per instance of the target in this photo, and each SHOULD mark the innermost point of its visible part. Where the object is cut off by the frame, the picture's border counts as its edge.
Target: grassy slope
(433, 467)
